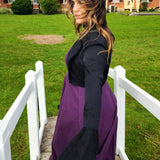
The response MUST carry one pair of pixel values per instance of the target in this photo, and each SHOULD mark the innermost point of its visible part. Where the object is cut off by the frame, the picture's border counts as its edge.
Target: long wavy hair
(96, 17)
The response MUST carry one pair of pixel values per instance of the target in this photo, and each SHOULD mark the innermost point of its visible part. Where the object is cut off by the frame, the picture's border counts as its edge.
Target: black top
(87, 68)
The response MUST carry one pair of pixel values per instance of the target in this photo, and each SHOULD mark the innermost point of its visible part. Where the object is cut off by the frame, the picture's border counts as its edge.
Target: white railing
(122, 84)
(29, 96)
(33, 94)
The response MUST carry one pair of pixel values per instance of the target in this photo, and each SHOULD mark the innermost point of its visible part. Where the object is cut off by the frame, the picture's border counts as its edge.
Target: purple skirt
(70, 120)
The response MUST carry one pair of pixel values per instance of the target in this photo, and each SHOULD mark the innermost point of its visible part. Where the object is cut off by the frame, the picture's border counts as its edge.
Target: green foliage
(144, 8)
(136, 48)
(127, 12)
(151, 10)
(4, 10)
(140, 9)
(49, 6)
(21, 7)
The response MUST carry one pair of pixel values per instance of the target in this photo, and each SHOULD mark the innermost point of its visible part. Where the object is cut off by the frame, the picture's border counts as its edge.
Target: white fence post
(120, 95)
(41, 92)
(41, 98)
(33, 124)
(5, 149)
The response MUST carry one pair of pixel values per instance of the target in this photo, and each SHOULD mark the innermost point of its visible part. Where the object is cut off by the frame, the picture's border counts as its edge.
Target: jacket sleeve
(95, 67)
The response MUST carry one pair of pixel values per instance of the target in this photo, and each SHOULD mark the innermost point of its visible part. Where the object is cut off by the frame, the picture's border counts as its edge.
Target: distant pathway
(141, 14)
(144, 14)
(47, 139)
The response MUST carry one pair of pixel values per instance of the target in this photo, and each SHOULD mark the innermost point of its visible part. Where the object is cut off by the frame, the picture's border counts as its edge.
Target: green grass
(137, 49)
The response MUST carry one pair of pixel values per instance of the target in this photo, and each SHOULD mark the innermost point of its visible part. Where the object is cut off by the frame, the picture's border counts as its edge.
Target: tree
(21, 7)
(49, 6)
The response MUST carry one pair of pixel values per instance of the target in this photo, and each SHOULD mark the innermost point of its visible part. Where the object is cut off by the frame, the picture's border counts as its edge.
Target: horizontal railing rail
(145, 99)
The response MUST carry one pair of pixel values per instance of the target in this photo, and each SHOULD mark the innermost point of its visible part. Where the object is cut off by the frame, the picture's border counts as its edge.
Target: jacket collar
(77, 46)
(92, 38)
(74, 51)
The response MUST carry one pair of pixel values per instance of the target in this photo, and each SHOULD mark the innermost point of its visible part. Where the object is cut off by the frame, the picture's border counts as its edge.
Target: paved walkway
(141, 14)
(144, 14)
(47, 139)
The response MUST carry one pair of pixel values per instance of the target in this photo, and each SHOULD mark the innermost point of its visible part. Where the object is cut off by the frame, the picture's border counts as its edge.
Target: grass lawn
(137, 49)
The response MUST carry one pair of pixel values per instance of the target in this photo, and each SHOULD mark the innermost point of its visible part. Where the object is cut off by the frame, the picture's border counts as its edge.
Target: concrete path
(47, 139)
(144, 14)
(141, 14)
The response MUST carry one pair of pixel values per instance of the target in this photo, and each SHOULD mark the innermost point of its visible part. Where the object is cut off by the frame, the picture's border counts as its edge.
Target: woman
(87, 120)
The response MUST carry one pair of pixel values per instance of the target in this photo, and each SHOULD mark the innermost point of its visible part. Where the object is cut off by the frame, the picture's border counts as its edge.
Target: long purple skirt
(70, 120)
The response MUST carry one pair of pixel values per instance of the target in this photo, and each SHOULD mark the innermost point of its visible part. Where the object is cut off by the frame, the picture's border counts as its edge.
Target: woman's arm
(95, 69)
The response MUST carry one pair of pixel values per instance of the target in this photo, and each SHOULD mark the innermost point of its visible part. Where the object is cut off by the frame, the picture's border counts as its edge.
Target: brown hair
(96, 16)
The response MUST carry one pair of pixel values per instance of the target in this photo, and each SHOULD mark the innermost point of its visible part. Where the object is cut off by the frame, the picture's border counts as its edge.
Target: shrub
(21, 7)
(140, 9)
(144, 6)
(127, 12)
(151, 10)
(49, 6)
(4, 10)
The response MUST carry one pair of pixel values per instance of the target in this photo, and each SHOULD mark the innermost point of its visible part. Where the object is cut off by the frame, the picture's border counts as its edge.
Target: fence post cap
(29, 74)
(120, 70)
(39, 63)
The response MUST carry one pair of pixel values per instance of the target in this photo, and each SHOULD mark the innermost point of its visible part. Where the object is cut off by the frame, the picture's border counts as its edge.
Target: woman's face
(79, 11)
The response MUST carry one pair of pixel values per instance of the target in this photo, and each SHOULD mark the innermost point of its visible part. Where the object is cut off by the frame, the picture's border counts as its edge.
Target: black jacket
(88, 68)
(85, 51)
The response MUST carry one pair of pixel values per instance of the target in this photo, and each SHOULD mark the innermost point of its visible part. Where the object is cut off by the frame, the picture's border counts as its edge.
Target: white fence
(122, 84)
(33, 94)
(29, 96)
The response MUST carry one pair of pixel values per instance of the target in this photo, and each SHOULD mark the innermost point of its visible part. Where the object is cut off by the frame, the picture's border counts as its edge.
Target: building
(7, 4)
(132, 5)
(111, 5)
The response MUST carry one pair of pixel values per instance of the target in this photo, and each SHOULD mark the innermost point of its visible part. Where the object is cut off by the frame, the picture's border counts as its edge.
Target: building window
(34, 1)
(115, 1)
(145, 1)
(5, 1)
(64, 1)
(10, 1)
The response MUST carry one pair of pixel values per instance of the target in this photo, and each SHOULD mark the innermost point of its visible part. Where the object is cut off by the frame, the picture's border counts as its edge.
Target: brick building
(111, 5)
(7, 3)
(132, 5)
